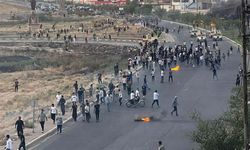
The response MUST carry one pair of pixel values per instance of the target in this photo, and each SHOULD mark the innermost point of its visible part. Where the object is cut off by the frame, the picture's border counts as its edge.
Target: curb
(52, 131)
(45, 135)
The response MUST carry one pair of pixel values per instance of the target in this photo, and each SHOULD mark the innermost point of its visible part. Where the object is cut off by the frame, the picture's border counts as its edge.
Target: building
(101, 2)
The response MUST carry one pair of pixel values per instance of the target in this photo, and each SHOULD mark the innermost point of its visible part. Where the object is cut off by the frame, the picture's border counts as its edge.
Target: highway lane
(197, 91)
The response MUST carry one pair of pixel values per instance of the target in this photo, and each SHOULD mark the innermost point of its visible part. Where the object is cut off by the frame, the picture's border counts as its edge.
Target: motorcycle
(136, 102)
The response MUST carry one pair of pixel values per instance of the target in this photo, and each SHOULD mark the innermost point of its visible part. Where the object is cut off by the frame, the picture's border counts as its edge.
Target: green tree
(225, 132)
(131, 7)
(160, 12)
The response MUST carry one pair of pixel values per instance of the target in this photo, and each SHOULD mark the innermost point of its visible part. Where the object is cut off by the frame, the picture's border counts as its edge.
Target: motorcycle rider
(137, 95)
(132, 97)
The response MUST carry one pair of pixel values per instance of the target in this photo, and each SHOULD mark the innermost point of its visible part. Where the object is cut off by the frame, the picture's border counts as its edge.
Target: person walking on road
(153, 74)
(22, 142)
(108, 101)
(9, 143)
(82, 106)
(19, 125)
(58, 97)
(170, 75)
(53, 112)
(42, 117)
(74, 97)
(155, 98)
(74, 111)
(97, 110)
(62, 105)
(215, 74)
(87, 112)
(160, 146)
(237, 80)
(81, 94)
(162, 76)
(59, 123)
(144, 90)
(137, 75)
(174, 105)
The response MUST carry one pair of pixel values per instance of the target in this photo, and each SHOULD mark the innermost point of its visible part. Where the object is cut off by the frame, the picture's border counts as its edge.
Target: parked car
(193, 33)
(217, 36)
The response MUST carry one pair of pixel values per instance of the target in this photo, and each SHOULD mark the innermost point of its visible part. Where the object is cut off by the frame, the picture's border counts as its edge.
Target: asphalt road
(196, 91)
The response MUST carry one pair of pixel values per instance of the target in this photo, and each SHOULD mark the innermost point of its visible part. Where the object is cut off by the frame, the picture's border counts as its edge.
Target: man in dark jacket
(97, 110)
(62, 105)
(19, 126)
(22, 143)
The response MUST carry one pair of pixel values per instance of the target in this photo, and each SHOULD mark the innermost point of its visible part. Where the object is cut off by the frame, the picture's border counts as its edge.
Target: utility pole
(245, 46)
(33, 116)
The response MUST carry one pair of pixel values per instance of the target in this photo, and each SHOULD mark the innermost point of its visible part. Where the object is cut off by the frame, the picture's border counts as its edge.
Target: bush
(29, 124)
(225, 132)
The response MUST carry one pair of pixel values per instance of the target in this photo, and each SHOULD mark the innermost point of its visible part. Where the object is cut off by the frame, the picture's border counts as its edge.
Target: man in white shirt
(9, 145)
(73, 98)
(162, 76)
(132, 97)
(101, 95)
(58, 97)
(156, 98)
(137, 95)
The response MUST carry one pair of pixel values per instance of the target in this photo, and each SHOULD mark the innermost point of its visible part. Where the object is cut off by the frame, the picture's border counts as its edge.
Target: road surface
(196, 91)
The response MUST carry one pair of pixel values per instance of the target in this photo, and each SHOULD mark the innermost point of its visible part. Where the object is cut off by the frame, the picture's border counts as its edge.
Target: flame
(145, 119)
(176, 68)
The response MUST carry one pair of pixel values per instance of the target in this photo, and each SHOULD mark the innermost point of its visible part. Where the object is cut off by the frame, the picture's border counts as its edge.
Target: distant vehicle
(211, 34)
(201, 37)
(217, 36)
(193, 33)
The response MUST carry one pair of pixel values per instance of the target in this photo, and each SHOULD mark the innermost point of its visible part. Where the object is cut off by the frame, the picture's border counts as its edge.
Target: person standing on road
(53, 112)
(155, 98)
(87, 112)
(174, 105)
(74, 111)
(9, 144)
(160, 146)
(97, 110)
(42, 117)
(19, 125)
(22, 142)
(59, 123)
(62, 105)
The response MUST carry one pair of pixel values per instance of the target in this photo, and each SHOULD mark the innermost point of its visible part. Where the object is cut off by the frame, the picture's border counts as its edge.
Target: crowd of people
(153, 57)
